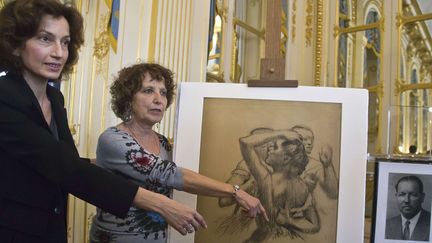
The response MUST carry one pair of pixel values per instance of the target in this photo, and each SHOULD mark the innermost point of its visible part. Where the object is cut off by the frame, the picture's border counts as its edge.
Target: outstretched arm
(176, 214)
(239, 176)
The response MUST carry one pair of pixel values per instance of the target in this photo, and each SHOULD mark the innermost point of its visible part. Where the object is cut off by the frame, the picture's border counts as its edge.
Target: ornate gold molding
(235, 67)
(222, 10)
(318, 41)
(377, 25)
(101, 47)
(293, 21)
(401, 19)
(378, 89)
(284, 31)
(398, 85)
(2, 3)
(75, 131)
(401, 86)
(309, 23)
(152, 32)
(213, 78)
(354, 11)
(102, 44)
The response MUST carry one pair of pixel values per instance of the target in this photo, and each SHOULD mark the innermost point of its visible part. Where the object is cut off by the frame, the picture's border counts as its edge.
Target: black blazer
(37, 171)
(420, 233)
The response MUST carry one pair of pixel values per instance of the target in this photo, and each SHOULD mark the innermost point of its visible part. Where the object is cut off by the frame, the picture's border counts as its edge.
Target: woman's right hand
(181, 217)
(251, 205)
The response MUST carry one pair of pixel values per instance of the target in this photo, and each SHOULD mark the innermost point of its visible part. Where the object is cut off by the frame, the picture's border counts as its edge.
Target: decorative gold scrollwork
(309, 22)
(74, 129)
(101, 47)
(293, 21)
(318, 42)
(221, 10)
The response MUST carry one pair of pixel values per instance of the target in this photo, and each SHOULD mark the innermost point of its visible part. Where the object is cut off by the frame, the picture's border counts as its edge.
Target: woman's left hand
(251, 205)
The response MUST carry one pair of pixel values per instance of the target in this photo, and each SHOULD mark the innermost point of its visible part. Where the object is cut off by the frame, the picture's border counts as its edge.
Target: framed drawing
(302, 151)
(403, 194)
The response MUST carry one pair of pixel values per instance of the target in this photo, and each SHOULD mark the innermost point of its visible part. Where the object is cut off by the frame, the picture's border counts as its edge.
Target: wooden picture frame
(337, 116)
(396, 195)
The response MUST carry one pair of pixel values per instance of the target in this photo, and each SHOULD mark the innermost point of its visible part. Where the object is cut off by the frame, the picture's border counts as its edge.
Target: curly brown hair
(128, 83)
(20, 20)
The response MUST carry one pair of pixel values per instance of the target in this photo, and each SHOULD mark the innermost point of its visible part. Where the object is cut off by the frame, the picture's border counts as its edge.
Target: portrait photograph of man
(408, 207)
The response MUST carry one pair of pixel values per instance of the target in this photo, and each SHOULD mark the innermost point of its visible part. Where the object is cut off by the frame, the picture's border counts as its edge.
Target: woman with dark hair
(39, 41)
(22, 20)
(140, 95)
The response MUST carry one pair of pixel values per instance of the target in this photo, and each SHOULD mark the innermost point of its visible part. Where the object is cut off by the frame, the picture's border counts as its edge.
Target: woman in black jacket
(39, 164)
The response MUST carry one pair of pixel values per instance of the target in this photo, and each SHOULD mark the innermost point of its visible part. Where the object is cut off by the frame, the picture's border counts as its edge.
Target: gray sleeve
(122, 155)
(167, 173)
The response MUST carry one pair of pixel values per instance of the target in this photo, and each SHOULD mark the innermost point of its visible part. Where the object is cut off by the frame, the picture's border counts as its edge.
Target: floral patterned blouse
(120, 153)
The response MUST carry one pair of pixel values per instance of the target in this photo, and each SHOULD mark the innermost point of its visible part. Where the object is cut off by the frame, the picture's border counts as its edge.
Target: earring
(128, 117)
(128, 112)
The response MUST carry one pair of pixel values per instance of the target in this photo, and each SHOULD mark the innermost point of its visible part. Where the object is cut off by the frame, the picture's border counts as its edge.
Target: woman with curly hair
(140, 95)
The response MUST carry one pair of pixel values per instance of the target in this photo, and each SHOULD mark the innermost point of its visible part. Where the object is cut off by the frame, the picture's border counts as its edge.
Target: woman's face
(45, 54)
(149, 103)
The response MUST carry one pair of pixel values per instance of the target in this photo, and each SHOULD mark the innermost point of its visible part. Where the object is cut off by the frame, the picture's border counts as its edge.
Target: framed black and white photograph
(220, 125)
(403, 195)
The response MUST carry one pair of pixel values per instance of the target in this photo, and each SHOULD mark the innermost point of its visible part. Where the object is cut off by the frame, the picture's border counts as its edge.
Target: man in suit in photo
(413, 223)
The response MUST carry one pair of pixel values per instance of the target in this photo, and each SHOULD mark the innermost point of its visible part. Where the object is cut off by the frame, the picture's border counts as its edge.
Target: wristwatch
(235, 190)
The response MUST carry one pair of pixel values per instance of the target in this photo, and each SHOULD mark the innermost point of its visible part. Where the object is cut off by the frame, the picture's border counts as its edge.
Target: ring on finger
(189, 228)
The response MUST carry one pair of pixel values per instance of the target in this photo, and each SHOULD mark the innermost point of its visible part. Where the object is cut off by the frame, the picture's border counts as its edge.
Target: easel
(272, 67)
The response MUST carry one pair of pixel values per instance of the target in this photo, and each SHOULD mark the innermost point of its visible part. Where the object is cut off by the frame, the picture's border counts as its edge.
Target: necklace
(151, 146)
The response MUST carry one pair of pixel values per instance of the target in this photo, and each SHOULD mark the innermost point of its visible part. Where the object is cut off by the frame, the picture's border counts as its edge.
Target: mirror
(359, 66)
(248, 40)
(415, 122)
(215, 58)
(416, 7)
(359, 58)
(414, 87)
